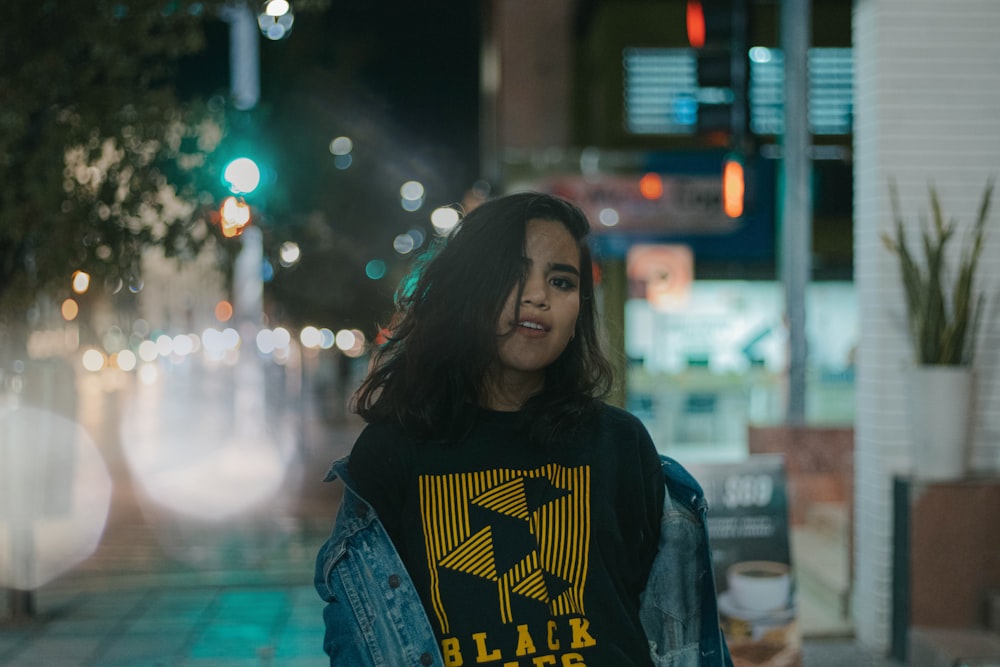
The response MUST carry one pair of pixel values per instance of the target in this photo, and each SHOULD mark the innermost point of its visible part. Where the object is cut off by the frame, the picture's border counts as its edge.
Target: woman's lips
(531, 329)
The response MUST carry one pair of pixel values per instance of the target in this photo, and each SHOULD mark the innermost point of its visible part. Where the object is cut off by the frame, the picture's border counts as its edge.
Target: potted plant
(943, 310)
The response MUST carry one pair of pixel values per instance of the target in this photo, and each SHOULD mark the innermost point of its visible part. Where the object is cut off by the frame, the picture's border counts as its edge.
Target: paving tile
(59, 651)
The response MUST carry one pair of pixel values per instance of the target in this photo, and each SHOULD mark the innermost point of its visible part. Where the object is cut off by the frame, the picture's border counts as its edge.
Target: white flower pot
(941, 415)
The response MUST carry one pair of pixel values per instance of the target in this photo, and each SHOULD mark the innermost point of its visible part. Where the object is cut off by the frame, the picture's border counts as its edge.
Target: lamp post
(244, 55)
(796, 218)
(274, 21)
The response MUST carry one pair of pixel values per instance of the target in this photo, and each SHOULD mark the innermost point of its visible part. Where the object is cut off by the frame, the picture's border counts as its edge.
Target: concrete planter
(941, 407)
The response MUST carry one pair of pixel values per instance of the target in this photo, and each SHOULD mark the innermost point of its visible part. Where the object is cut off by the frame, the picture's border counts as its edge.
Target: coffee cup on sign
(760, 585)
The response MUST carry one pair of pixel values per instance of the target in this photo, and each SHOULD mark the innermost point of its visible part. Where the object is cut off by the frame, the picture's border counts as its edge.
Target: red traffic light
(695, 24)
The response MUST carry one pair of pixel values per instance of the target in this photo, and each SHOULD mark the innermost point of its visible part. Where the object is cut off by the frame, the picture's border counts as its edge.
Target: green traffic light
(241, 176)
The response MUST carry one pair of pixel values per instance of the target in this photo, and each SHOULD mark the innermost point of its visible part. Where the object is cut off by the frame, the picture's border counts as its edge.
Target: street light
(275, 19)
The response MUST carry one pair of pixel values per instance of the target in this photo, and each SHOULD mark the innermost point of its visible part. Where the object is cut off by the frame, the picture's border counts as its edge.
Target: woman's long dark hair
(443, 339)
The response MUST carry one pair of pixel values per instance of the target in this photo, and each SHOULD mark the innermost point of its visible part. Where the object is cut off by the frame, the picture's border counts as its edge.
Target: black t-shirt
(523, 554)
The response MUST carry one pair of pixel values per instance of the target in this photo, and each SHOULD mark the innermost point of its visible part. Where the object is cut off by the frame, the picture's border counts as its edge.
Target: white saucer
(728, 606)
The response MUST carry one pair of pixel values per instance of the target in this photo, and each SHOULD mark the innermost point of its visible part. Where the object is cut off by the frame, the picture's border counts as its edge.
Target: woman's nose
(535, 292)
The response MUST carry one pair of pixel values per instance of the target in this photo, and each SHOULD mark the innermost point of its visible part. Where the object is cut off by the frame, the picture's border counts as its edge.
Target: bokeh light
(164, 345)
(445, 219)
(327, 338)
(202, 444)
(375, 269)
(651, 186)
(411, 195)
(608, 217)
(418, 236)
(275, 19)
(220, 345)
(276, 7)
(183, 345)
(273, 340)
(289, 254)
(126, 360)
(55, 500)
(341, 146)
(69, 310)
(223, 311)
(345, 340)
(282, 338)
(404, 244)
(93, 360)
(234, 216)
(242, 175)
(310, 337)
(81, 281)
(351, 342)
(265, 341)
(147, 350)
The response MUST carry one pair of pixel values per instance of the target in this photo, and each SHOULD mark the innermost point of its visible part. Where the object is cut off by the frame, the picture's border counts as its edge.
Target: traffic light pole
(796, 216)
(244, 70)
(244, 55)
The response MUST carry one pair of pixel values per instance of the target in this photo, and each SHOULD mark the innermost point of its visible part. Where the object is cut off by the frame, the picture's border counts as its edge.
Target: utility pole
(796, 217)
(244, 73)
(244, 55)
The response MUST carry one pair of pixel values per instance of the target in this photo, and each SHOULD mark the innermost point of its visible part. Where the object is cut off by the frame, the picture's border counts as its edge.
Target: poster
(751, 556)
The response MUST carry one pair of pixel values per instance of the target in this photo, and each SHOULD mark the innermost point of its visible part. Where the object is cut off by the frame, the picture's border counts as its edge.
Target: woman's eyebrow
(568, 268)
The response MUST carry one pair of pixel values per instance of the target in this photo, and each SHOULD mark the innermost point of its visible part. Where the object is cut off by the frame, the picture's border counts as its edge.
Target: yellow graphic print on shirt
(528, 531)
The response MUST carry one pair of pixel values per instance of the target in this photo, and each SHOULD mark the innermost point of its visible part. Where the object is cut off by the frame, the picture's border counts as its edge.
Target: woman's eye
(563, 283)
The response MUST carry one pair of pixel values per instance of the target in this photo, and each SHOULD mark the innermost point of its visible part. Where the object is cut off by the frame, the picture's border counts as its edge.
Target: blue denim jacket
(374, 617)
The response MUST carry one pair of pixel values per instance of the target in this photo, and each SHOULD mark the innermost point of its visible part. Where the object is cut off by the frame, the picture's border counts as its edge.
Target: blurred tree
(98, 157)
(115, 120)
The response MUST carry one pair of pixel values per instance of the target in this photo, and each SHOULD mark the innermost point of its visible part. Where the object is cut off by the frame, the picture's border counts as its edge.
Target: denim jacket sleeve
(373, 615)
(678, 607)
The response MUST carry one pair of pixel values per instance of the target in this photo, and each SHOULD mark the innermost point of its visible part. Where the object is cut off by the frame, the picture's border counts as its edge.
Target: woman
(497, 512)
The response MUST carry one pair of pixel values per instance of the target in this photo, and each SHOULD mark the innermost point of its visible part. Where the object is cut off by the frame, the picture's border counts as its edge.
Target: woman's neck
(508, 392)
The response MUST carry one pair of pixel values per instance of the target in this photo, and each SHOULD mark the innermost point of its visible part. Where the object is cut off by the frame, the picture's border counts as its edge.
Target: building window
(661, 93)
(831, 91)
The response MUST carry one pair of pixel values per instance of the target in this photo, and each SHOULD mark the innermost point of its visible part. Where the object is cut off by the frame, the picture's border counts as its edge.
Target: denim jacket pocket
(330, 554)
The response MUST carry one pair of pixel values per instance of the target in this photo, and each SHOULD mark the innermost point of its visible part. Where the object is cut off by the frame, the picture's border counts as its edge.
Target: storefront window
(705, 367)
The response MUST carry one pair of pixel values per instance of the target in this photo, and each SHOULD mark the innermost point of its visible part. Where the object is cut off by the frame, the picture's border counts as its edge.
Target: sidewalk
(223, 624)
(223, 619)
(265, 618)
(164, 590)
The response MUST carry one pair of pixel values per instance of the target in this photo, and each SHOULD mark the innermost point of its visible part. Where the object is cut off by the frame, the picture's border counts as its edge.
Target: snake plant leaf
(943, 320)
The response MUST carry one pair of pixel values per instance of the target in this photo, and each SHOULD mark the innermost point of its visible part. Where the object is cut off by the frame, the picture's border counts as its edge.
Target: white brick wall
(927, 108)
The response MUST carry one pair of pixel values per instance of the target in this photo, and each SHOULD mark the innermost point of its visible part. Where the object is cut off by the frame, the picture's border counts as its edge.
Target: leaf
(943, 319)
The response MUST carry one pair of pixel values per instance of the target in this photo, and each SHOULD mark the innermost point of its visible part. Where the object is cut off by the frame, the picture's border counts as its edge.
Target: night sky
(401, 80)
(404, 73)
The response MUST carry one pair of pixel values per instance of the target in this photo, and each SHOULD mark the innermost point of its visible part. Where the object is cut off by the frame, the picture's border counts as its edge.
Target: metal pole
(244, 70)
(244, 55)
(796, 219)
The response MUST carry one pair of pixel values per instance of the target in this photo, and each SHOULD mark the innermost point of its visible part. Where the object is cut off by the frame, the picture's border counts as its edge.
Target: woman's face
(537, 325)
